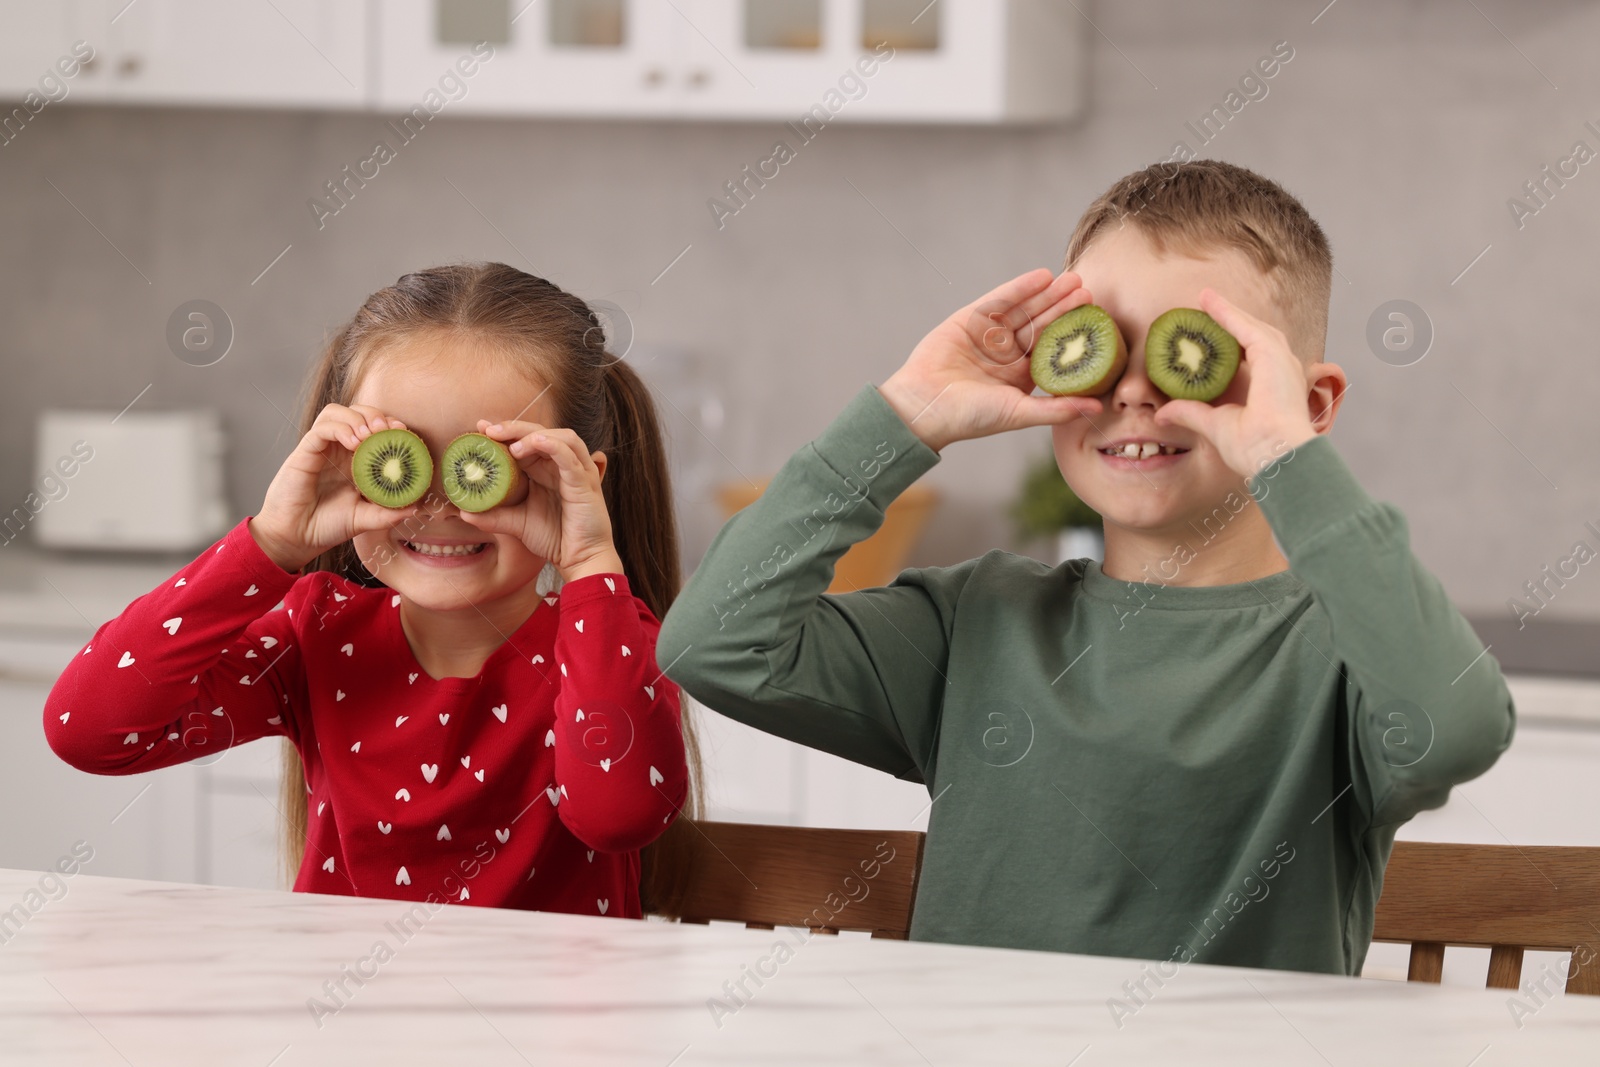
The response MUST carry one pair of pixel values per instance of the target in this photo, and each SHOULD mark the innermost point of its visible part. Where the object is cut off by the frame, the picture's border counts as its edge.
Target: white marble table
(123, 972)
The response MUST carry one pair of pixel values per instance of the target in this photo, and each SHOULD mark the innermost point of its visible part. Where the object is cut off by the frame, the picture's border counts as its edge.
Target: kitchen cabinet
(213, 820)
(852, 60)
(139, 827)
(36, 35)
(846, 60)
(288, 53)
(808, 62)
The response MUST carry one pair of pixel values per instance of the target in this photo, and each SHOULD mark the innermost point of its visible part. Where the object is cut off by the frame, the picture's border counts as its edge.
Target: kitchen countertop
(71, 593)
(1553, 646)
(122, 971)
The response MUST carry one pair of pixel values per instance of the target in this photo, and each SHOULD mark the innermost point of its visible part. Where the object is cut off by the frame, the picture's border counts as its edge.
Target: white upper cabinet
(579, 57)
(857, 60)
(287, 53)
(963, 61)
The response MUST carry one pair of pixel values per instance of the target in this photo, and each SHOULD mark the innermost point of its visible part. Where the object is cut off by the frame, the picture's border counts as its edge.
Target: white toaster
(132, 481)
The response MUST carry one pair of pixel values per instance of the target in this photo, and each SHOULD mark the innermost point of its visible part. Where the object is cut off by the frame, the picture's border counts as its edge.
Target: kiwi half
(392, 468)
(1080, 354)
(479, 472)
(1188, 356)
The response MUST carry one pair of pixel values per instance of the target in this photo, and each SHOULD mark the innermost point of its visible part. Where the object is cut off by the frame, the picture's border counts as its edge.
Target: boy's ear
(1328, 386)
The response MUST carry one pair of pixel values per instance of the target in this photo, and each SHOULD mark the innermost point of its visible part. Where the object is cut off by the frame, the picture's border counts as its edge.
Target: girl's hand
(563, 518)
(970, 376)
(1280, 393)
(312, 504)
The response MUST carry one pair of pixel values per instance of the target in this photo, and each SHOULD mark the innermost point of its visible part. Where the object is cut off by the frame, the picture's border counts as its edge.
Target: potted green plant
(1048, 508)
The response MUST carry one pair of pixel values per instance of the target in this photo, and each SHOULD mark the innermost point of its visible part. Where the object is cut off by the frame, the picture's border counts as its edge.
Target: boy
(1198, 750)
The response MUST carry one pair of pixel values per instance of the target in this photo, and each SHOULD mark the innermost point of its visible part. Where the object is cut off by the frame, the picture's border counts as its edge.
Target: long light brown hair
(556, 339)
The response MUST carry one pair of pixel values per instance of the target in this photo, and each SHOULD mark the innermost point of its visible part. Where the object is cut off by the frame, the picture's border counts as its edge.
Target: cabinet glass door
(771, 59)
(574, 57)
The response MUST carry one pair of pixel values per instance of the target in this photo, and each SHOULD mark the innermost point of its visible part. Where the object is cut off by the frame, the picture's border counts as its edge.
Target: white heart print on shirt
(430, 771)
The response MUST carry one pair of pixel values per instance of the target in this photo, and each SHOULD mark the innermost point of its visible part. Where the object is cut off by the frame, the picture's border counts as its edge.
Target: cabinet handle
(128, 66)
(699, 78)
(654, 77)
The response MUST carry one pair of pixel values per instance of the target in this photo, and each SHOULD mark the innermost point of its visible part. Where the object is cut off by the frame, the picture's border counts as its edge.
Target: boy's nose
(1134, 388)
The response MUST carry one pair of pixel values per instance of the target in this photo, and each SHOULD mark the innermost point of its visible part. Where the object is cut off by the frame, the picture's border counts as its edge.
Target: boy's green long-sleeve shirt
(1128, 769)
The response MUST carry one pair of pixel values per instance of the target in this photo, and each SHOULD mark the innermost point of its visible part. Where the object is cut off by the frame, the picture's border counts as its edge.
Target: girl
(471, 704)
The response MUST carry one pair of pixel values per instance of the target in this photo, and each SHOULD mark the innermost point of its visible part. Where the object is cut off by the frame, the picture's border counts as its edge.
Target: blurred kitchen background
(190, 213)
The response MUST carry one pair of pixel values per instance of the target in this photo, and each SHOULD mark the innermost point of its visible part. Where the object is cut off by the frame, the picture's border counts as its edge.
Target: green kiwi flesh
(478, 472)
(1079, 354)
(1188, 356)
(392, 468)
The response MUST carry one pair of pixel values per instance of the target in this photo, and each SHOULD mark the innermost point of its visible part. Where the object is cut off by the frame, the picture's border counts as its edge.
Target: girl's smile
(442, 552)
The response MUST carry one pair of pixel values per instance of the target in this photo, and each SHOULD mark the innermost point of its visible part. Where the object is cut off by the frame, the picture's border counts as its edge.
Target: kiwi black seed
(479, 472)
(1080, 354)
(392, 468)
(1188, 356)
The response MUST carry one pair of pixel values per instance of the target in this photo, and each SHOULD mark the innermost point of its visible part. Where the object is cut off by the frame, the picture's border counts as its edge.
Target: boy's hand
(563, 518)
(1275, 416)
(970, 378)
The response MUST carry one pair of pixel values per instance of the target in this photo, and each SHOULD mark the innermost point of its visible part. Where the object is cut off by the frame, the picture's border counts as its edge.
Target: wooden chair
(1503, 898)
(827, 880)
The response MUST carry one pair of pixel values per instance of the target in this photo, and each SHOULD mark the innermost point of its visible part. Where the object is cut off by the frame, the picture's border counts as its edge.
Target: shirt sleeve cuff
(869, 442)
(593, 587)
(1306, 492)
(256, 564)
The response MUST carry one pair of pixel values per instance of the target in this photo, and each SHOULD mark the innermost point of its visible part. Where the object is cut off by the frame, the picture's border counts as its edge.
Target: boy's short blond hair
(1205, 205)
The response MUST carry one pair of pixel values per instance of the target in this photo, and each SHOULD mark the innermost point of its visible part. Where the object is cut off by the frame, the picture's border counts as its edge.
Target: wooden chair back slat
(828, 880)
(1503, 898)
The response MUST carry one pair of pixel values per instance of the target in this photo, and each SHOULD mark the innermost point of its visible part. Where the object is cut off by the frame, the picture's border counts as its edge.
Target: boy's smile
(1151, 481)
